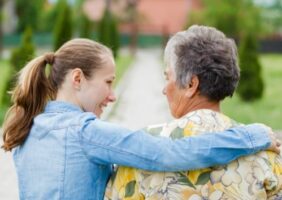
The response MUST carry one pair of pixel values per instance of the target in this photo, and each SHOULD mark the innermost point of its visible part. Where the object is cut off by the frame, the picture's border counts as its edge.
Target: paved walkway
(8, 180)
(140, 99)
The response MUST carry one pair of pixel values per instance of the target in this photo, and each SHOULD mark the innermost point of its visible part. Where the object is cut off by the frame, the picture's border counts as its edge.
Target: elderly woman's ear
(192, 87)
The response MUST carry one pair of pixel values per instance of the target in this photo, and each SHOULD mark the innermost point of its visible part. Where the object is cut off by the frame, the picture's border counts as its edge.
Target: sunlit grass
(267, 110)
(122, 64)
(5, 70)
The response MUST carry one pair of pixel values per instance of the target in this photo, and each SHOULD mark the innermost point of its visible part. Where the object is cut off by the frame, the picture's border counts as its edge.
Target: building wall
(154, 16)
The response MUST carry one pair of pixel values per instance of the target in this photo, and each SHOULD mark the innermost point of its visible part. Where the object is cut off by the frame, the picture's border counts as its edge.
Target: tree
(24, 52)
(272, 16)
(80, 19)
(49, 16)
(108, 32)
(28, 13)
(19, 57)
(132, 17)
(85, 27)
(251, 83)
(63, 26)
(234, 18)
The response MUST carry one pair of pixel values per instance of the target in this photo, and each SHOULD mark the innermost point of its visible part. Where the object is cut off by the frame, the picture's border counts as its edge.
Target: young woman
(63, 151)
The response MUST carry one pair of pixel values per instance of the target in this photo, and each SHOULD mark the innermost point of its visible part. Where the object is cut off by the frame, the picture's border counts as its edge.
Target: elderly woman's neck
(201, 102)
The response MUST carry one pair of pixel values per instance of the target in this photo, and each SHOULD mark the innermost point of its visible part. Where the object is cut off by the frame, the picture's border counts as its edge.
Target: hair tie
(49, 58)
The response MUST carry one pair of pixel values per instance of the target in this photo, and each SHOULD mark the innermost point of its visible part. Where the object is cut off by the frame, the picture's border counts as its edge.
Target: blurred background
(31, 27)
(137, 32)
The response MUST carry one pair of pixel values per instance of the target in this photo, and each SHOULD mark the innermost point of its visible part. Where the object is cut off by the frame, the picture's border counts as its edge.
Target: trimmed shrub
(85, 27)
(19, 58)
(25, 52)
(251, 83)
(108, 32)
(63, 26)
(28, 13)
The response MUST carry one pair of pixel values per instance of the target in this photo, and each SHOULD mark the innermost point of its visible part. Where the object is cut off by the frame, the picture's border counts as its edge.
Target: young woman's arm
(106, 143)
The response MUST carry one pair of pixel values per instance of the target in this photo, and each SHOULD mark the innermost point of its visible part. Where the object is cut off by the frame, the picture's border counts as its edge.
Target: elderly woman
(201, 71)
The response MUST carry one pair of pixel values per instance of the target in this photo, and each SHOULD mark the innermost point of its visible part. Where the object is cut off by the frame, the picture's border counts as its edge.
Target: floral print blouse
(253, 177)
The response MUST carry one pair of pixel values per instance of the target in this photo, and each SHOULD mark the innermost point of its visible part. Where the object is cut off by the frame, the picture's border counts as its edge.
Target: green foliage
(232, 17)
(251, 83)
(122, 65)
(268, 109)
(78, 16)
(184, 180)
(28, 13)
(25, 52)
(19, 57)
(108, 32)
(49, 16)
(272, 16)
(5, 72)
(130, 189)
(85, 27)
(63, 26)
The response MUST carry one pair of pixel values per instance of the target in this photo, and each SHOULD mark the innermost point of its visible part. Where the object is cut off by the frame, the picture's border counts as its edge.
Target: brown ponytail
(29, 98)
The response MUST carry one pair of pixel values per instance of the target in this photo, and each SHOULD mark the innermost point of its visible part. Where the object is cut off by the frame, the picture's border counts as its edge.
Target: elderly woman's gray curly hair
(208, 54)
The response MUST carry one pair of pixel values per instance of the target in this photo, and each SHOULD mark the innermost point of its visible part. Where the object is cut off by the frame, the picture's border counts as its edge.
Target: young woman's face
(96, 92)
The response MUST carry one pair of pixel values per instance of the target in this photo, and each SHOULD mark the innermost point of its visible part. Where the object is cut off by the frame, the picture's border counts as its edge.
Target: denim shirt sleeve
(106, 143)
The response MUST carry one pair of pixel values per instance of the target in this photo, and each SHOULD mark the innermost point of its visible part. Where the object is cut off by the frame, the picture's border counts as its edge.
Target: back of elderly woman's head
(208, 54)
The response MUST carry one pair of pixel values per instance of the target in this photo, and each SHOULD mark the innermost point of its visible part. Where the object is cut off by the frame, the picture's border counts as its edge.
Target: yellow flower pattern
(253, 177)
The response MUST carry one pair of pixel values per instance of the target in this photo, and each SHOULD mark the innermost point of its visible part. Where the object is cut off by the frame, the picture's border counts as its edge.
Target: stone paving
(8, 179)
(140, 99)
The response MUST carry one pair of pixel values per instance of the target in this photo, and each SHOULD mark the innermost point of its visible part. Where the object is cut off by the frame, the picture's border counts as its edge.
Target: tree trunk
(133, 38)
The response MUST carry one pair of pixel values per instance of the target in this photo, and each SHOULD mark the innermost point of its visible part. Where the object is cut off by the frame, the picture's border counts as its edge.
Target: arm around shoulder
(106, 143)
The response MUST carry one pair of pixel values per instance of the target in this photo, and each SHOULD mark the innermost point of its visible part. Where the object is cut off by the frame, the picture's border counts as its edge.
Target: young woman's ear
(77, 77)
(192, 87)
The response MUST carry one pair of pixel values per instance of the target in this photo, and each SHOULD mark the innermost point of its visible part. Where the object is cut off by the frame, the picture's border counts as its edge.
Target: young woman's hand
(275, 142)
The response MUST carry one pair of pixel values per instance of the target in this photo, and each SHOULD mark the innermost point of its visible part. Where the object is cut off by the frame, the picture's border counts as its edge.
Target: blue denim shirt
(69, 153)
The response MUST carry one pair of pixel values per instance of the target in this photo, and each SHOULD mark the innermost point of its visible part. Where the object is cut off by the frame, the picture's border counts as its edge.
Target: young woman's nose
(112, 97)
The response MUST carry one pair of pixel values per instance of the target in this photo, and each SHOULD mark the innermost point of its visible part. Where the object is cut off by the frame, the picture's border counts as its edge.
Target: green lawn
(122, 64)
(4, 71)
(267, 110)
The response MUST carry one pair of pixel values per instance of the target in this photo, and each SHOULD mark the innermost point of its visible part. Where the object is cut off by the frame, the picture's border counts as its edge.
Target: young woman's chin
(98, 112)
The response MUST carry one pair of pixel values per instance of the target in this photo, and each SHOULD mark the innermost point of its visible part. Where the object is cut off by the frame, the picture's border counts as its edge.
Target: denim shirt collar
(61, 106)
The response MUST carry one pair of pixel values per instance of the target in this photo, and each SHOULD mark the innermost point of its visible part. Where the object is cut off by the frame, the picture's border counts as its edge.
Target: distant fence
(144, 40)
(270, 46)
(46, 39)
